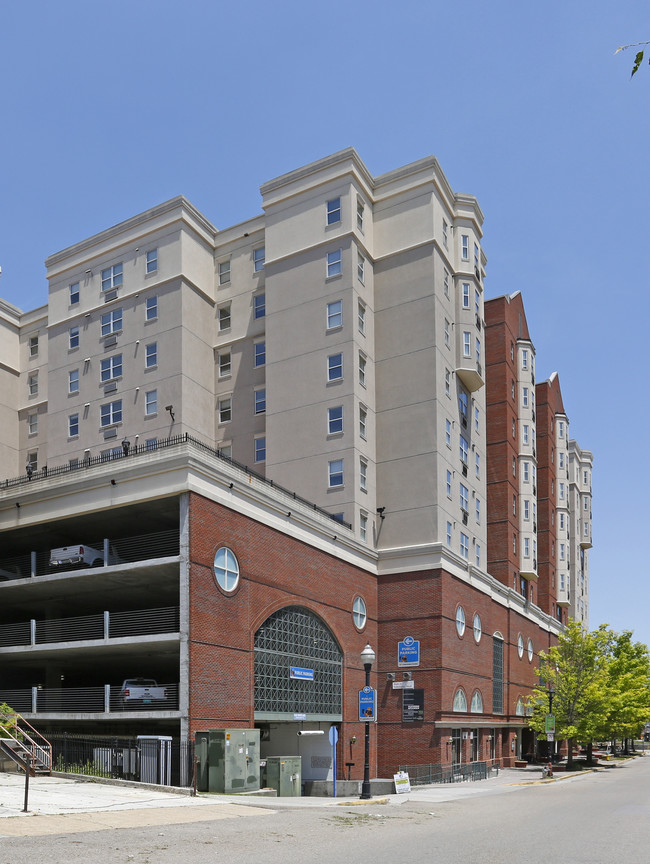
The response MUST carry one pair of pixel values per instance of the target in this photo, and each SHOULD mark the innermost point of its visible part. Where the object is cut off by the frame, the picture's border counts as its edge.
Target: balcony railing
(104, 625)
(142, 451)
(102, 699)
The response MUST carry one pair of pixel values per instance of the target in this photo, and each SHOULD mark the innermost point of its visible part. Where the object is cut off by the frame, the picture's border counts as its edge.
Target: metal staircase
(26, 747)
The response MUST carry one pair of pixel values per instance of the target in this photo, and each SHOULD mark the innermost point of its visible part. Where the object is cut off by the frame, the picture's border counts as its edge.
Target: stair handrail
(39, 747)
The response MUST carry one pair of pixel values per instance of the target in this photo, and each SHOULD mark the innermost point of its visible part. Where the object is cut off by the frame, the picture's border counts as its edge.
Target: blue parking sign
(408, 652)
(367, 705)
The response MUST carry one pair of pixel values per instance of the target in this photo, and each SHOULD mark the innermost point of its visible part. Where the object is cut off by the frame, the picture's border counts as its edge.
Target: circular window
(359, 613)
(460, 620)
(226, 569)
(520, 646)
(530, 651)
(478, 627)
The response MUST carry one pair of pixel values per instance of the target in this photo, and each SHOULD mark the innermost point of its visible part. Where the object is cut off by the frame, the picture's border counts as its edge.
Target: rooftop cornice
(349, 154)
(179, 205)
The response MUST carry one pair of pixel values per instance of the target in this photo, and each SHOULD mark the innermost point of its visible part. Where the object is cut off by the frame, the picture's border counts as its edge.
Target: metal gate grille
(294, 636)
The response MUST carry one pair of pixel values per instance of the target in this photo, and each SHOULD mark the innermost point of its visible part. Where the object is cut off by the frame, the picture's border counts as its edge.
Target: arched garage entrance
(298, 688)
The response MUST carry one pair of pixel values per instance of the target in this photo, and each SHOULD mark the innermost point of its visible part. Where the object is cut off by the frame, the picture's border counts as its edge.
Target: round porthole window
(226, 569)
(359, 613)
(520, 646)
(460, 620)
(478, 628)
(530, 651)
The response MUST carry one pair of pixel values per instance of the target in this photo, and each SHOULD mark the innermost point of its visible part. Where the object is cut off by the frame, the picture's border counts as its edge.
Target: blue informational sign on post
(408, 652)
(334, 737)
(367, 705)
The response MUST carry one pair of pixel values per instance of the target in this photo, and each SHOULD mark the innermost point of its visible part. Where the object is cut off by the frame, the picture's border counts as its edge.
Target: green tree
(628, 687)
(638, 59)
(575, 670)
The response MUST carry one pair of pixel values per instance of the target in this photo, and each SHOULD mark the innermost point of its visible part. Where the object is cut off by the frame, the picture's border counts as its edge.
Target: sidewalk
(72, 806)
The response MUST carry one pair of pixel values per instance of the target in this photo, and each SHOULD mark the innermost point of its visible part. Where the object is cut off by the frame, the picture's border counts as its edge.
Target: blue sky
(109, 109)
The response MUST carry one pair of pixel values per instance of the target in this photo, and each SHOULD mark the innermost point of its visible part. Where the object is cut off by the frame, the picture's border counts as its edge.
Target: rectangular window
(447, 333)
(497, 675)
(32, 424)
(360, 208)
(110, 367)
(526, 508)
(151, 355)
(464, 497)
(32, 384)
(449, 534)
(334, 263)
(260, 354)
(467, 344)
(478, 464)
(258, 259)
(526, 467)
(74, 293)
(562, 521)
(259, 306)
(478, 350)
(514, 505)
(224, 272)
(362, 369)
(464, 545)
(464, 448)
(112, 277)
(445, 238)
(111, 322)
(224, 364)
(448, 433)
(562, 551)
(445, 283)
(448, 382)
(524, 359)
(465, 247)
(363, 474)
(478, 511)
(151, 402)
(363, 421)
(335, 420)
(478, 555)
(260, 449)
(526, 547)
(224, 317)
(260, 400)
(335, 473)
(151, 444)
(363, 526)
(466, 295)
(463, 403)
(361, 317)
(74, 337)
(73, 381)
(333, 211)
(361, 264)
(151, 308)
(225, 410)
(151, 261)
(477, 304)
(561, 429)
(335, 367)
(524, 396)
(33, 346)
(561, 459)
(111, 413)
(525, 433)
(334, 314)
(448, 484)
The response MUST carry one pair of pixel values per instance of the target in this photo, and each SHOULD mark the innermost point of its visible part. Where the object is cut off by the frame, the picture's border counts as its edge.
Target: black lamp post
(367, 658)
(551, 693)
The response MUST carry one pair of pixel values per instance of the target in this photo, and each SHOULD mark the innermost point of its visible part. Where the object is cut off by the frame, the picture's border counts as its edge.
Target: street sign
(402, 782)
(412, 705)
(550, 736)
(408, 652)
(301, 674)
(549, 723)
(367, 705)
(333, 735)
(403, 685)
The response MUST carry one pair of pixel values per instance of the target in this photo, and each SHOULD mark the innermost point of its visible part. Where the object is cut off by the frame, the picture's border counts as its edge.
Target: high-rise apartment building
(539, 487)
(278, 430)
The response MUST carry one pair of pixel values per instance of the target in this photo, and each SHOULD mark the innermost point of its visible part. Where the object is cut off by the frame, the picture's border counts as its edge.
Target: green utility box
(228, 760)
(284, 774)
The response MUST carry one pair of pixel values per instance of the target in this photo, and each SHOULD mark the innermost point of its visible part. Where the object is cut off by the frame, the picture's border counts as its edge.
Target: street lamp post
(367, 658)
(551, 744)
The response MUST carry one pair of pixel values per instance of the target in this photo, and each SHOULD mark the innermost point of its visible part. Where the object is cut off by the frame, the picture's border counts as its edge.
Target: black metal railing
(104, 625)
(144, 451)
(123, 757)
(422, 775)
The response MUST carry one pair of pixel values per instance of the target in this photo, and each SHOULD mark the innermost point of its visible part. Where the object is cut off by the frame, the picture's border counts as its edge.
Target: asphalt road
(599, 818)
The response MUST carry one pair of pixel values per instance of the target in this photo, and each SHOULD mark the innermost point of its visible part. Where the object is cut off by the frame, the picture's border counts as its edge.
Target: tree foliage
(600, 683)
(638, 59)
